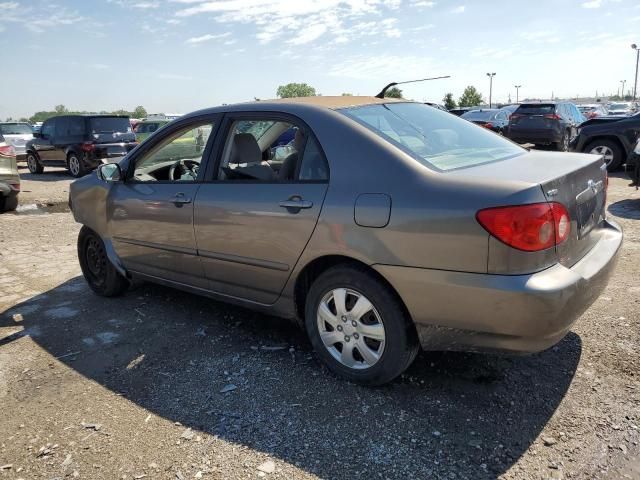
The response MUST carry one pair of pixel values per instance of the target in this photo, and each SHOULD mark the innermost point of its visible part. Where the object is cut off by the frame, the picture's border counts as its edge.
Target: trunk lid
(577, 181)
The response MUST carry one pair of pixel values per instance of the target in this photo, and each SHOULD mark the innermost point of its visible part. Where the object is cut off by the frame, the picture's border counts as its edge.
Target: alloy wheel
(74, 165)
(350, 328)
(565, 143)
(32, 164)
(606, 153)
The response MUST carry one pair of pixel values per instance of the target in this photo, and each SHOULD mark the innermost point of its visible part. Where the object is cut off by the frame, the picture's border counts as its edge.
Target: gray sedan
(381, 226)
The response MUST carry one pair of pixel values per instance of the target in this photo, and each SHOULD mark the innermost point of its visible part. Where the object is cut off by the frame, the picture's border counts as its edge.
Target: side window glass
(62, 127)
(314, 166)
(48, 128)
(76, 126)
(176, 158)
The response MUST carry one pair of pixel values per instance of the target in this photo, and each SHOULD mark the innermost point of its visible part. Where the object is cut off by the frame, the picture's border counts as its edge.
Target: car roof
(343, 101)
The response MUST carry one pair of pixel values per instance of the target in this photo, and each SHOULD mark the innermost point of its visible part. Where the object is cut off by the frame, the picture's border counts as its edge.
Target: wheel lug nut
(347, 338)
(356, 336)
(344, 318)
(354, 323)
(339, 328)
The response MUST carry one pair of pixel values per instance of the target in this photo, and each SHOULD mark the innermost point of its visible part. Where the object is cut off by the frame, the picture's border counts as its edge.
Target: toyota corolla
(382, 226)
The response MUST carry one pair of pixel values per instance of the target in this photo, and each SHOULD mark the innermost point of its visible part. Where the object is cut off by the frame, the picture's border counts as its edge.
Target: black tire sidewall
(400, 344)
(8, 203)
(38, 166)
(114, 283)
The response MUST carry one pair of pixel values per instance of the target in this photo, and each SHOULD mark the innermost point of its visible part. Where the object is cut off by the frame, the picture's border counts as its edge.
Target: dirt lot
(163, 384)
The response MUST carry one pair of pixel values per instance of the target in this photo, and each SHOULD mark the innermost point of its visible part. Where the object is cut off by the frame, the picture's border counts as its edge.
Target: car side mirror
(109, 172)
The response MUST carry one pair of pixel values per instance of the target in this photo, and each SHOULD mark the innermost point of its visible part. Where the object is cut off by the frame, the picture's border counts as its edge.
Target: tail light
(88, 146)
(531, 228)
(488, 125)
(514, 116)
(7, 151)
(552, 116)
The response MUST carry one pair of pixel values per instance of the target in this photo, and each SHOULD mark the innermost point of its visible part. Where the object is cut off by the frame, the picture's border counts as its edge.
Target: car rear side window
(541, 109)
(435, 138)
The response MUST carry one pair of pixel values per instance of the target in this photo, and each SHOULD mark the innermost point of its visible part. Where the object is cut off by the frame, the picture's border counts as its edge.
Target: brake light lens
(488, 125)
(530, 228)
(514, 116)
(552, 116)
(88, 146)
(7, 151)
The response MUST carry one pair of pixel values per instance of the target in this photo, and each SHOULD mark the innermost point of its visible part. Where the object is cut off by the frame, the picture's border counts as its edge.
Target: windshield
(618, 106)
(480, 115)
(110, 125)
(16, 129)
(435, 138)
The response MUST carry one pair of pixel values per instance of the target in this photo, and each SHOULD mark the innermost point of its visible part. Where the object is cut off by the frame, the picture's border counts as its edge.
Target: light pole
(490, 75)
(635, 83)
(517, 90)
(623, 82)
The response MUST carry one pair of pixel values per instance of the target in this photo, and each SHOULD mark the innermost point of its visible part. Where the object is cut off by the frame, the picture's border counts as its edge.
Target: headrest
(245, 149)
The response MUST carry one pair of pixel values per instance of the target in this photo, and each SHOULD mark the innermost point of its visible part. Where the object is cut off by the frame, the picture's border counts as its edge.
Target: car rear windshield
(619, 106)
(479, 115)
(109, 124)
(16, 129)
(537, 109)
(435, 138)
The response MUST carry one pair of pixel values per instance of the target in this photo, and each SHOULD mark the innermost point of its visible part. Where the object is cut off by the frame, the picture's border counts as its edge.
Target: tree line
(138, 112)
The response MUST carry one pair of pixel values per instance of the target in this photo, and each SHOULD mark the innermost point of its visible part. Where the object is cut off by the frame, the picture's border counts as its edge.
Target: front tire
(358, 327)
(33, 163)
(75, 165)
(611, 152)
(98, 271)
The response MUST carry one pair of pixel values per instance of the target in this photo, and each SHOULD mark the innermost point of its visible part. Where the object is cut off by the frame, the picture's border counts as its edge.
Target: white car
(17, 135)
(622, 109)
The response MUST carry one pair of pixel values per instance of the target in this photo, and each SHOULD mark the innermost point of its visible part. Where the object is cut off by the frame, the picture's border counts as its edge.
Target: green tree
(393, 92)
(139, 112)
(449, 102)
(347, 94)
(470, 97)
(295, 90)
(60, 109)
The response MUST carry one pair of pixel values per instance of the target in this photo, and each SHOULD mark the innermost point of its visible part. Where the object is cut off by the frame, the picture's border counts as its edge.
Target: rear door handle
(180, 199)
(296, 204)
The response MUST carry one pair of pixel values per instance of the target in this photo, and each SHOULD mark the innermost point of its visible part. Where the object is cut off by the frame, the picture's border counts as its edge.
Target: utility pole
(622, 82)
(635, 83)
(490, 75)
(517, 92)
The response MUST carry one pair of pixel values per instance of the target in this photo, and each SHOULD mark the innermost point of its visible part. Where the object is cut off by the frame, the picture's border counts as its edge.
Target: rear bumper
(516, 313)
(9, 186)
(538, 136)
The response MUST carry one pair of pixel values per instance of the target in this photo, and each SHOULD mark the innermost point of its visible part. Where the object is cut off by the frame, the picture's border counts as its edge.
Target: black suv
(549, 123)
(611, 137)
(79, 142)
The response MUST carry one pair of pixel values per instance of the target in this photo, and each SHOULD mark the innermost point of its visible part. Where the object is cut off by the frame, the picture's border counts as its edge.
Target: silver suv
(9, 177)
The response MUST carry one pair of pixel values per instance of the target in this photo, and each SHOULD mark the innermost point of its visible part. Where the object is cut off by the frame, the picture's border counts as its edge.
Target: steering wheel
(182, 167)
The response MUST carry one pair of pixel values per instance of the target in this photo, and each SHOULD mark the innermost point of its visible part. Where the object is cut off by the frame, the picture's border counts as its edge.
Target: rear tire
(8, 204)
(98, 271)
(380, 338)
(75, 165)
(563, 144)
(33, 163)
(611, 152)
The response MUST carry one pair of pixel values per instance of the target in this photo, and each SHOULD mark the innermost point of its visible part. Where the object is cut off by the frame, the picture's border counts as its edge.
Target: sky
(176, 56)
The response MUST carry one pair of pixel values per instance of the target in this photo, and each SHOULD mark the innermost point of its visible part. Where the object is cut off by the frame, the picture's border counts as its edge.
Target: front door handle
(296, 204)
(179, 199)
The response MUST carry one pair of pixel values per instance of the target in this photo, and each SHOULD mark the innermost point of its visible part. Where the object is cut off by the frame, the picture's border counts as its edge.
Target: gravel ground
(163, 384)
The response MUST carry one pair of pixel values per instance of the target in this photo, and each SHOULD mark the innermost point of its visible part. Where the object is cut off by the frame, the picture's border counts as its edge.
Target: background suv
(17, 135)
(549, 123)
(9, 178)
(79, 142)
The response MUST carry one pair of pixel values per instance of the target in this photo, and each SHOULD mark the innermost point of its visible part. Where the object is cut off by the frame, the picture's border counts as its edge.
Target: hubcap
(74, 165)
(565, 142)
(606, 153)
(96, 260)
(351, 329)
